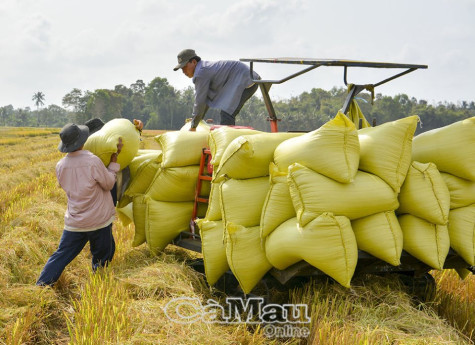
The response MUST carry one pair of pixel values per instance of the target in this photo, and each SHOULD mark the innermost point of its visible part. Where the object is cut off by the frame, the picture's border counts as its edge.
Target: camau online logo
(286, 320)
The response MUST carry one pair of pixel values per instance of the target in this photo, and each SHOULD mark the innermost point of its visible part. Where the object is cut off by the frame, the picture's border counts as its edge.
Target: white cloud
(55, 46)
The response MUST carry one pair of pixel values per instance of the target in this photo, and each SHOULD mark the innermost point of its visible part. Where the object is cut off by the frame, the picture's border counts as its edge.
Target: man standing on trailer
(224, 85)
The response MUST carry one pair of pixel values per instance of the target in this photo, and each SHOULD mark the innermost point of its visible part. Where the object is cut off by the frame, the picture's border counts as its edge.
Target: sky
(55, 46)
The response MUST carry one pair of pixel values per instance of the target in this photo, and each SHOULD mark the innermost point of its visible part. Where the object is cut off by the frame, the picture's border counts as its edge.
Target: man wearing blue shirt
(225, 85)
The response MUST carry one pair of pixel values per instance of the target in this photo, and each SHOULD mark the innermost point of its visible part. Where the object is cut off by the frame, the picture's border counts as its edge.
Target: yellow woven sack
(103, 143)
(220, 138)
(143, 178)
(182, 148)
(425, 241)
(380, 235)
(424, 194)
(125, 214)
(248, 156)
(385, 150)
(174, 184)
(242, 200)
(462, 232)
(462, 192)
(202, 126)
(451, 148)
(141, 152)
(124, 201)
(355, 115)
(164, 221)
(327, 243)
(332, 150)
(278, 205)
(245, 255)
(139, 209)
(313, 194)
(213, 249)
(142, 156)
(463, 272)
(214, 201)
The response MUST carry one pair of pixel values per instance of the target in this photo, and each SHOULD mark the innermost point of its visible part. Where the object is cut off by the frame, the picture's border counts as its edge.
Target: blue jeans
(230, 119)
(102, 249)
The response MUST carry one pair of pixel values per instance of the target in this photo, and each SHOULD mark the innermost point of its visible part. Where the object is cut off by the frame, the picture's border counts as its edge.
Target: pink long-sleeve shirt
(87, 183)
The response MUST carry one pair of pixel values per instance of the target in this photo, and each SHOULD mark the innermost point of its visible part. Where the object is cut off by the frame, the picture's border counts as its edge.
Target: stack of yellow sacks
(279, 198)
(243, 173)
(452, 150)
(303, 207)
(212, 225)
(162, 187)
(342, 185)
(131, 206)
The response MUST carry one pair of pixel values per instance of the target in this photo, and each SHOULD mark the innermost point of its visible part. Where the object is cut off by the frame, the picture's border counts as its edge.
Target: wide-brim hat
(94, 125)
(183, 57)
(72, 137)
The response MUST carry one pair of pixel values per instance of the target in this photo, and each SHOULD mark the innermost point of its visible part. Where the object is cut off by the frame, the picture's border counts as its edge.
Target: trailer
(414, 272)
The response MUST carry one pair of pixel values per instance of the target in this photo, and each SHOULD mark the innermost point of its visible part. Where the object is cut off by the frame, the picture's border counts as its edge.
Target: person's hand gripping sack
(138, 124)
(116, 154)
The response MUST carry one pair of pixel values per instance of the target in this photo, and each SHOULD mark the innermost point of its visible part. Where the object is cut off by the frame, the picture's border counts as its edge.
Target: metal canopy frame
(315, 63)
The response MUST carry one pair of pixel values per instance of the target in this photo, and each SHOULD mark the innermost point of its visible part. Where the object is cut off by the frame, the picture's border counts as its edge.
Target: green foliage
(105, 104)
(160, 106)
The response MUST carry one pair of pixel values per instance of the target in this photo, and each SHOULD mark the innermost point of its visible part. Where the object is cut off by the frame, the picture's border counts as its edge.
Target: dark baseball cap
(183, 57)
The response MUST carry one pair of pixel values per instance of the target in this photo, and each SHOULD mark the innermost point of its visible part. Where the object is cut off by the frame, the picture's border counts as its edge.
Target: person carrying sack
(90, 210)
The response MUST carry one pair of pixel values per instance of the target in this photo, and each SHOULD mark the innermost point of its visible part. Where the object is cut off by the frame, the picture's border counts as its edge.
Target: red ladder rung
(206, 153)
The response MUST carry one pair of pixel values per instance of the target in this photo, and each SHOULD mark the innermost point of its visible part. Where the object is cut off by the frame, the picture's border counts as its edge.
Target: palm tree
(38, 97)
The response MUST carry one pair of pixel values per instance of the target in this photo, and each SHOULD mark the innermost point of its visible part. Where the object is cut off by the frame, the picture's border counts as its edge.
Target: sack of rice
(125, 214)
(143, 176)
(385, 150)
(164, 221)
(313, 194)
(174, 184)
(103, 143)
(425, 241)
(242, 200)
(462, 192)
(451, 148)
(327, 243)
(380, 235)
(278, 205)
(213, 249)
(182, 148)
(202, 126)
(245, 255)
(462, 232)
(214, 201)
(142, 156)
(332, 150)
(139, 209)
(248, 156)
(355, 115)
(220, 138)
(424, 194)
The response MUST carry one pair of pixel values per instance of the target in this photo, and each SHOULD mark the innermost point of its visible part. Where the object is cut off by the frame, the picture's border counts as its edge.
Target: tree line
(160, 106)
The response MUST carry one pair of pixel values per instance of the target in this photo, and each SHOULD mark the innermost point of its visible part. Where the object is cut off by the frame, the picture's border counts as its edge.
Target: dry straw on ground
(123, 304)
